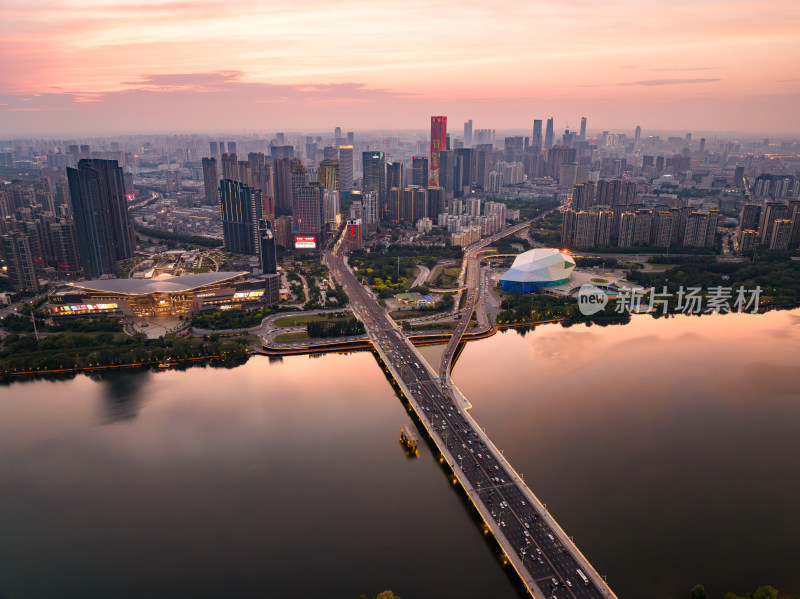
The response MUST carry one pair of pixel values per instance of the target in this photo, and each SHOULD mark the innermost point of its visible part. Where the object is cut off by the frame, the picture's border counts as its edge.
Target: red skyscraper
(438, 143)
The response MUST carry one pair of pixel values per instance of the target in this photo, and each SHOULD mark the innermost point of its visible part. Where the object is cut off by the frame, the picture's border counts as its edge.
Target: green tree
(698, 592)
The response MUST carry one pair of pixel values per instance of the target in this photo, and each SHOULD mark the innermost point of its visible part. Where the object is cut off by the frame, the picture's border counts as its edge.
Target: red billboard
(305, 242)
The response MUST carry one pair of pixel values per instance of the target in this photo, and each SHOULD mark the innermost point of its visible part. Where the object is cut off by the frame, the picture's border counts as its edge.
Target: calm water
(670, 450)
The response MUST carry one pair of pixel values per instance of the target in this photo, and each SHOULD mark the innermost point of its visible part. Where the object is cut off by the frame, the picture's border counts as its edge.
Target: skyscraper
(374, 178)
(328, 174)
(240, 210)
(268, 253)
(637, 136)
(419, 171)
(346, 167)
(536, 140)
(230, 166)
(468, 133)
(549, 134)
(15, 248)
(582, 136)
(438, 145)
(308, 216)
(100, 211)
(210, 180)
(394, 175)
(282, 167)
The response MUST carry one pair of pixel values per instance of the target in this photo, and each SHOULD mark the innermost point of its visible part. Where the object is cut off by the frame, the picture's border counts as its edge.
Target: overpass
(545, 558)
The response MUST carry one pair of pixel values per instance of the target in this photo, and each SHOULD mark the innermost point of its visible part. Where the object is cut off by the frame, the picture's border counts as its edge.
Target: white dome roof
(542, 265)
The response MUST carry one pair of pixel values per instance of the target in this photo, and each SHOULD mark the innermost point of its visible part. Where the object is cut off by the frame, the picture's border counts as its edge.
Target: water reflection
(667, 447)
(122, 394)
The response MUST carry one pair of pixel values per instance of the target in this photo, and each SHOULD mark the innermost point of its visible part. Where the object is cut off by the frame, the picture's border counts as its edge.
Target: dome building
(541, 267)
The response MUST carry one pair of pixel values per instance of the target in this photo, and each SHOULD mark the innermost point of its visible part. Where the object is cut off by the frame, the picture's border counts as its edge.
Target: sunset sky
(141, 66)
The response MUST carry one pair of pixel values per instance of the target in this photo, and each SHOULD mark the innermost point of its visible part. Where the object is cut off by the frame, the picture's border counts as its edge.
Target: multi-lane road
(546, 560)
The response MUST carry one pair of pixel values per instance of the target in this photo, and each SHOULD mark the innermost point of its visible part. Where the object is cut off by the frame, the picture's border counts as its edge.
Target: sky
(91, 67)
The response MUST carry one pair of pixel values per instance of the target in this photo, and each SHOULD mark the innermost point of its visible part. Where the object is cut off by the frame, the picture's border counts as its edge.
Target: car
(523, 503)
(569, 584)
(527, 525)
(527, 534)
(549, 536)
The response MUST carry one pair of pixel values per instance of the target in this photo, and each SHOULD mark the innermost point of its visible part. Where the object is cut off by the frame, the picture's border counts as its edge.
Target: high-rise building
(240, 210)
(100, 211)
(283, 231)
(469, 169)
(637, 136)
(282, 167)
(771, 212)
(210, 180)
(267, 249)
(394, 175)
(281, 151)
(585, 229)
(536, 140)
(781, 235)
(64, 247)
(346, 166)
(468, 133)
(419, 171)
(438, 145)
(15, 248)
(749, 217)
(231, 147)
(308, 217)
(230, 166)
(549, 135)
(354, 234)
(370, 215)
(582, 135)
(213, 149)
(299, 176)
(374, 178)
(330, 206)
(328, 173)
(436, 202)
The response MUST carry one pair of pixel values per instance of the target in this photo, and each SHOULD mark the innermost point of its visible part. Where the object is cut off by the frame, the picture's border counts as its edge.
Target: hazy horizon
(103, 67)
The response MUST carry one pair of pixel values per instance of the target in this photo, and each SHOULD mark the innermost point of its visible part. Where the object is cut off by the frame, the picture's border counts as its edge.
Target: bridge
(545, 558)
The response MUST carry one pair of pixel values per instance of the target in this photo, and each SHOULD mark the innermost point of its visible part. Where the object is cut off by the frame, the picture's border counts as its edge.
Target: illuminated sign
(305, 242)
(248, 294)
(83, 308)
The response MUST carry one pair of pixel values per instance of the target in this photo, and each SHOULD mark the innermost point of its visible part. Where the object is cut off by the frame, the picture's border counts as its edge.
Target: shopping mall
(164, 296)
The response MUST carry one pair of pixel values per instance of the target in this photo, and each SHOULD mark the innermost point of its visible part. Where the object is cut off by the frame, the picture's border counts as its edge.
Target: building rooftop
(164, 284)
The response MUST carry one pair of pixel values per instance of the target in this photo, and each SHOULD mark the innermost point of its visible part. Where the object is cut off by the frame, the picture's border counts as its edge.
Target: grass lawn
(600, 281)
(403, 314)
(291, 337)
(448, 277)
(295, 321)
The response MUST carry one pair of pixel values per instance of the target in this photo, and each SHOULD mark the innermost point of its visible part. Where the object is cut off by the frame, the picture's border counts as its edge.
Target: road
(424, 273)
(539, 550)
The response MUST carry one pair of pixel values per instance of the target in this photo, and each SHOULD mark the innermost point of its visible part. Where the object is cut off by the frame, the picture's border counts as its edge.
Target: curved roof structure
(158, 285)
(537, 268)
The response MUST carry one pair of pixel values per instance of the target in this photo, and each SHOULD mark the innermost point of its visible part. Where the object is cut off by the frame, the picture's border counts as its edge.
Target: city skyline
(102, 68)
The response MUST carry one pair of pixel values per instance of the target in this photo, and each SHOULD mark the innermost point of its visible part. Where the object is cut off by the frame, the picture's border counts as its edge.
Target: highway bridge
(545, 558)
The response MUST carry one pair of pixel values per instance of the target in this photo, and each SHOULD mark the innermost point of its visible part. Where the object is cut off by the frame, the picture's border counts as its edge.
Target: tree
(387, 595)
(698, 592)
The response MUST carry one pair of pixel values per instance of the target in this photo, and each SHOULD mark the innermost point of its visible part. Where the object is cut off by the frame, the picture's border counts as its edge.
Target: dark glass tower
(100, 212)
(269, 257)
(240, 209)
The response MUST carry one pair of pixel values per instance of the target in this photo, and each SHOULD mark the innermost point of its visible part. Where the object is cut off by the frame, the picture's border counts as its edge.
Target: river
(668, 448)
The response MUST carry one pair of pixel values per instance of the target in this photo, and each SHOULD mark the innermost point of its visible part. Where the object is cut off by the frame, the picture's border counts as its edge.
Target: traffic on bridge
(546, 560)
